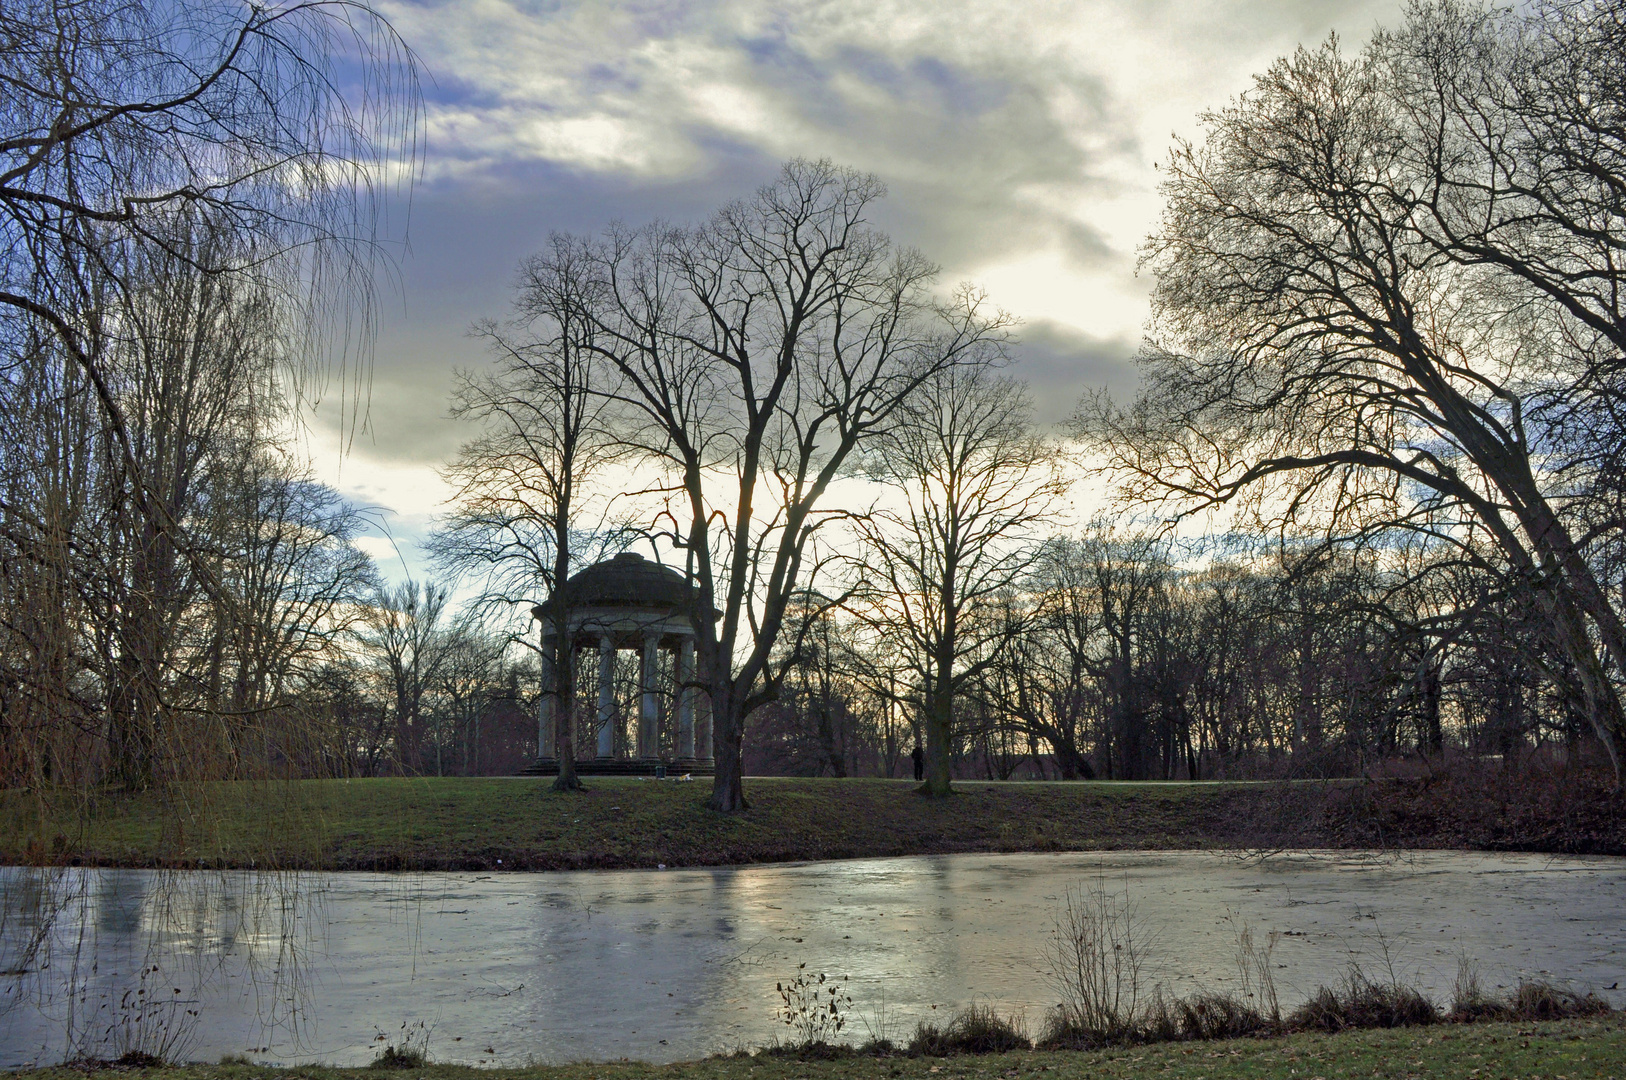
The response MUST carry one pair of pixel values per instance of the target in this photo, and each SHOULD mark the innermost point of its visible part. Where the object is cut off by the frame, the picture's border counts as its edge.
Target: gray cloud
(1003, 132)
(1060, 364)
(467, 238)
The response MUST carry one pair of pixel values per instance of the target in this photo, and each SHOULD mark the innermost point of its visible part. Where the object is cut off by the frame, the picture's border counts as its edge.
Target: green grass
(1566, 1050)
(518, 823)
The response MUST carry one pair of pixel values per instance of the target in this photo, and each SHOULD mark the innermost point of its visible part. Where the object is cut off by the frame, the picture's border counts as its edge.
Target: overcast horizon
(1018, 148)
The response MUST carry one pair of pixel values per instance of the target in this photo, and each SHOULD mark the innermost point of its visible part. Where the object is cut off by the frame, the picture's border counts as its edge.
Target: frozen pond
(666, 965)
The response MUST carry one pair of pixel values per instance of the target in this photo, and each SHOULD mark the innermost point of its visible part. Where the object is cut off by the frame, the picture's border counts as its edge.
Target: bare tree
(296, 583)
(525, 484)
(410, 647)
(1103, 593)
(191, 355)
(188, 194)
(1382, 294)
(118, 648)
(1043, 680)
(820, 690)
(756, 353)
(117, 116)
(50, 523)
(970, 484)
(465, 681)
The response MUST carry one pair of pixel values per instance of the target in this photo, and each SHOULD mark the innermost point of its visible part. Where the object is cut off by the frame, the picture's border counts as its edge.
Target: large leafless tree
(1387, 299)
(189, 195)
(524, 487)
(755, 353)
(970, 486)
(279, 125)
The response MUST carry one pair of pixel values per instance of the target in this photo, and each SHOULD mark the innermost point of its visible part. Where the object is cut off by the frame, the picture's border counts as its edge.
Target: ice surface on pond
(667, 965)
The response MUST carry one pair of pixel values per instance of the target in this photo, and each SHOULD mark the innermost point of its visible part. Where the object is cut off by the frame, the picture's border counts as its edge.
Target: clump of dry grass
(1219, 1016)
(1532, 999)
(1362, 1003)
(1544, 1001)
(399, 1057)
(980, 1029)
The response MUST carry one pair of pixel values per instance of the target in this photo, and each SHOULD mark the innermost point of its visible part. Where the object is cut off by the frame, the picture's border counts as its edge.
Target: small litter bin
(660, 772)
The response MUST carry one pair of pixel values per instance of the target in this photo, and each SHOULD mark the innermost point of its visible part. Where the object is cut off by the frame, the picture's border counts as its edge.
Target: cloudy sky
(1018, 141)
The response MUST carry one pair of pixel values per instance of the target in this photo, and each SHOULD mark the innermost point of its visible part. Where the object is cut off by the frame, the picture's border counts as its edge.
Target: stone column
(606, 694)
(547, 707)
(649, 741)
(684, 666)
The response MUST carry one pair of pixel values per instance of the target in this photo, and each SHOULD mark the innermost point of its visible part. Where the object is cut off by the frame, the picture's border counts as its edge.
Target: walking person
(919, 757)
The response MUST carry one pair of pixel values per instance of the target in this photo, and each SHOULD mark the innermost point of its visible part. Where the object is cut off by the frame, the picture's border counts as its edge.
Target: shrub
(1097, 949)
(815, 1007)
(977, 1030)
(406, 1057)
(1544, 1001)
(1219, 1016)
(151, 1026)
(1363, 1004)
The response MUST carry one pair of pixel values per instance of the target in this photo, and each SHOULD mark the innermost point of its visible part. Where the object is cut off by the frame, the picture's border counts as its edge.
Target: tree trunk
(564, 652)
(727, 733)
(564, 714)
(939, 719)
(133, 700)
(1602, 702)
(1433, 738)
(827, 740)
(131, 718)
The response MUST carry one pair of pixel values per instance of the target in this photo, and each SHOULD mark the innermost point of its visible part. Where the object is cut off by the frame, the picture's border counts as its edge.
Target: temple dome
(629, 581)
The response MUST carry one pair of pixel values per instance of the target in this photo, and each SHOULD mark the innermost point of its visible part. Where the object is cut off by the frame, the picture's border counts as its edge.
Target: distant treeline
(1120, 659)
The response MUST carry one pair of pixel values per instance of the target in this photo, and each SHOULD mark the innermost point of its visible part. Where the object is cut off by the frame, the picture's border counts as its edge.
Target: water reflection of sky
(665, 965)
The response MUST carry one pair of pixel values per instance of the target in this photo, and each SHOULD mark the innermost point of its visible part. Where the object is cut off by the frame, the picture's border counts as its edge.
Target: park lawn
(1564, 1050)
(519, 823)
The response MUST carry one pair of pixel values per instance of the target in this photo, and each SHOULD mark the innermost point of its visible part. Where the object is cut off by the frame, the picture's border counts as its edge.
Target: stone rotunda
(629, 602)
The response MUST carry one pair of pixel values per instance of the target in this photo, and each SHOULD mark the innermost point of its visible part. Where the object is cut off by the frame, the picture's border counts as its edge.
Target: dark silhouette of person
(919, 757)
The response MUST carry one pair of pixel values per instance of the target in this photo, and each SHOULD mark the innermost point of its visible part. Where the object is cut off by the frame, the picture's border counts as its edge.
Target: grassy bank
(516, 823)
(1566, 1050)
(521, 824)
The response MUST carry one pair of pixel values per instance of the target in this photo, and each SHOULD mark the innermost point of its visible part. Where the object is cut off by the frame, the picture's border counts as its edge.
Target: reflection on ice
(101, 962)
(667, 965)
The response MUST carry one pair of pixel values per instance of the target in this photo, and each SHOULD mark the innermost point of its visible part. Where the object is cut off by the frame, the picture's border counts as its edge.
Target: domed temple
(629, 602)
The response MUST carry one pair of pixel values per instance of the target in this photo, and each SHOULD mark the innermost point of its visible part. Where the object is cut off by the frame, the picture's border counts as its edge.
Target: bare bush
(980, 1029)
(1253, 965)
(1097, 952)
(1537, 1000)
(149, 1026)
(814, 1007)
(1364, 1003)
